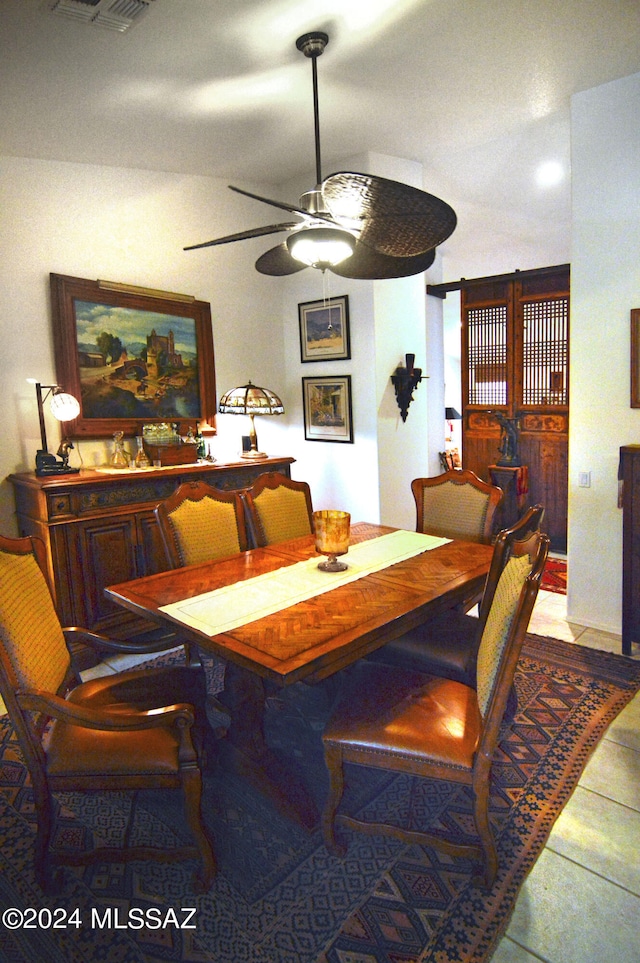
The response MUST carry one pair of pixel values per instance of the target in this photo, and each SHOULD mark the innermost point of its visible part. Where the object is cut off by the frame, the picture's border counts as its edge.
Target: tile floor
(581, 901)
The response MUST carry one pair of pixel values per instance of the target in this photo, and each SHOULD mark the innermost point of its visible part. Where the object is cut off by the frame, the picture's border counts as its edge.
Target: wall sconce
(405, 381)
(64, 407)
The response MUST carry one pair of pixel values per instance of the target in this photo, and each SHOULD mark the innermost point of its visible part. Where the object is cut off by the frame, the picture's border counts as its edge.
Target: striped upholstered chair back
(278, 508)
(36, 654)
(199, 523)
(506, 622)
(456, 504)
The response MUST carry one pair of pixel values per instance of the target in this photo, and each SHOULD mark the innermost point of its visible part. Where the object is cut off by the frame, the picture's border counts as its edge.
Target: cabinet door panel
(547, 458)
(107, 554)
(151, 553)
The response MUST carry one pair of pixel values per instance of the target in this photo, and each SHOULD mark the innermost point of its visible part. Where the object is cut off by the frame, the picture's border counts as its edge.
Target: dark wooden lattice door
(515, 337)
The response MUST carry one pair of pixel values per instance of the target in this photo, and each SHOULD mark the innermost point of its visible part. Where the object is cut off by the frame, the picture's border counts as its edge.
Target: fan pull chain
(326, 295)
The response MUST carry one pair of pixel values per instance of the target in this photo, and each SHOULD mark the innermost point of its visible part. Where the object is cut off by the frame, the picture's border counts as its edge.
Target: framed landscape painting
(324, 330)
(132, 356)
(327, 409)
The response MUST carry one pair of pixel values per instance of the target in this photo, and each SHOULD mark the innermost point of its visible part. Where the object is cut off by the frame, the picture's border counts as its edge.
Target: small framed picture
(635, 358)
(327, 409)
(324, 330)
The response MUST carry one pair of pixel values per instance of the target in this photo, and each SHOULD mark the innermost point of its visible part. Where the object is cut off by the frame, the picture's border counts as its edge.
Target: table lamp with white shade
(63, 407)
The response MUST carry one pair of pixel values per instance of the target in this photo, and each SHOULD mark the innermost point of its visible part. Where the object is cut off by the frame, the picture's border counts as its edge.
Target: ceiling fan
(355, 225)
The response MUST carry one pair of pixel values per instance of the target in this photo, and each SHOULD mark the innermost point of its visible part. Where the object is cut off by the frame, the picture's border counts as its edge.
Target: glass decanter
(119, 458)
(141, 459)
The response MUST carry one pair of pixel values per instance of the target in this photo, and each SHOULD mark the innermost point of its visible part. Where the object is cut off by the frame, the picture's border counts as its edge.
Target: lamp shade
(63, 406)
(321, 246)
(250, 400)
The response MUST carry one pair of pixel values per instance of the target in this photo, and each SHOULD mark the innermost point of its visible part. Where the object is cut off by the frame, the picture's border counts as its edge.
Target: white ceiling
(477, 91)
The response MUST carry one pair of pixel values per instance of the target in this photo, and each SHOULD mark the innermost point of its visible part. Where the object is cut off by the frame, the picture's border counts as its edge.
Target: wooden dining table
(308, 641)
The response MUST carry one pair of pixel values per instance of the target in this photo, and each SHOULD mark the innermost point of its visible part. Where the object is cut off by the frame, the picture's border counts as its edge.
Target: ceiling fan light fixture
(321, 247)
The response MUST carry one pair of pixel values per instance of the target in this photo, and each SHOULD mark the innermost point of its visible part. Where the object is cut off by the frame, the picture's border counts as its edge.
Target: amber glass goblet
(332, 538)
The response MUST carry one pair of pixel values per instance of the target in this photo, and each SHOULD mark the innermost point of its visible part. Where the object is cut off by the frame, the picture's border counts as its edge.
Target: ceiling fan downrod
(359, 226)
(312, 45)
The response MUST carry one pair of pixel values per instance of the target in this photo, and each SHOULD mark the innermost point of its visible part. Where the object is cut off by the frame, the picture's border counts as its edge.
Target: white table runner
(226, 608)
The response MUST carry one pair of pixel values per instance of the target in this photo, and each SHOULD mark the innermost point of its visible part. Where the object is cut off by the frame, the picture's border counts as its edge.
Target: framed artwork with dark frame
(132, 356)
(327, 409)
(635, 358)
(324, 330)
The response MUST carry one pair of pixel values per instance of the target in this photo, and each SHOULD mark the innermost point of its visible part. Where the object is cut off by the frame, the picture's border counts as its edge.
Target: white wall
(453, 362)
(128, 226)
(343, 475)
(605, 286)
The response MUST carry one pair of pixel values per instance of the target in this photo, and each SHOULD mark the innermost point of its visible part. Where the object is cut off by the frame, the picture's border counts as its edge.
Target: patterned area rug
(554, 578)
(279, 897)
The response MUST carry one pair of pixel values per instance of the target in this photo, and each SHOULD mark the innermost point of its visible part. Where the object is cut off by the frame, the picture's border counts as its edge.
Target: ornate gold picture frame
(132, 356)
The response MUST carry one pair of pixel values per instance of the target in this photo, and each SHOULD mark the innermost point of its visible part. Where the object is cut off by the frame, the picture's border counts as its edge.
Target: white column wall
(605, 286)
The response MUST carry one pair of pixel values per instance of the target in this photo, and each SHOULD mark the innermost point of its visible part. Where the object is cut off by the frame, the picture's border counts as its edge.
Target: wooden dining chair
(447, 645)
(199, 523)
(143, 729)
(278, 508)
(424, 726)
(456, 504)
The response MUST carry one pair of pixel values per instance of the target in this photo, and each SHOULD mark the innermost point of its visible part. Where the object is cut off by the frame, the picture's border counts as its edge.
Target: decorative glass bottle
(119, 458)
(142, 460)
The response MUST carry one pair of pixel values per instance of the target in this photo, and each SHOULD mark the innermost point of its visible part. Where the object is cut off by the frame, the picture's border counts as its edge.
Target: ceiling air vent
(113, 14)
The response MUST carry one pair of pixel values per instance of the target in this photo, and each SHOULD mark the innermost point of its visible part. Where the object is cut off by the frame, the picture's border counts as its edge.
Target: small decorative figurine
(508, 440)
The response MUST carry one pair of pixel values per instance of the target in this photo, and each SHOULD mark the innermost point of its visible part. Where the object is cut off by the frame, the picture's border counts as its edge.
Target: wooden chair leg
(192, 792)
(333, 761)
(44, 831)
(483, 828)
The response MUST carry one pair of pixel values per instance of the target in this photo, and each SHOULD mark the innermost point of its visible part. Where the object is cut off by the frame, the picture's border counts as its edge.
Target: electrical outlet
(584, 479)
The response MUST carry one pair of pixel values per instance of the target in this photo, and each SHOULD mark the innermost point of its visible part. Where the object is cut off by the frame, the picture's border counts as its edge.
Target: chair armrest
(100, 643)
(111, 718)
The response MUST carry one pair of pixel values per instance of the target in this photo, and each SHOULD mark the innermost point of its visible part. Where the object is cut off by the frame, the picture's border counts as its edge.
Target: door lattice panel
(487, 355)
(544, 361)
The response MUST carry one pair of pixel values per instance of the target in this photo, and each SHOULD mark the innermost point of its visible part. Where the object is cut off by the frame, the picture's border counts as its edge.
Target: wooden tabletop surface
(313, 639)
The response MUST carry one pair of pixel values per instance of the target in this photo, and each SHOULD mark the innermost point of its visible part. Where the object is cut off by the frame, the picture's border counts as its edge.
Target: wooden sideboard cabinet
(99, 529)
(629, 475)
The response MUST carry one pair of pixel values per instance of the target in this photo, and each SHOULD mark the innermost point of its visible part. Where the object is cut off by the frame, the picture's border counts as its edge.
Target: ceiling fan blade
(278, 262)
(244, 235)
(369, 265)
(284, 206)
(396, 219)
